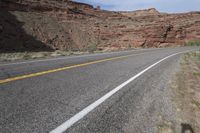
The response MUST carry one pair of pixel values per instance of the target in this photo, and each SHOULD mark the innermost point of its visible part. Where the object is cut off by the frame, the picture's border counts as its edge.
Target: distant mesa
(145, 12)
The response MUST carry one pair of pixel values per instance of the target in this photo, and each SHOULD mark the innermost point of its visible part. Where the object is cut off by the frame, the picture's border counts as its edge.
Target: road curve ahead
(110, 92)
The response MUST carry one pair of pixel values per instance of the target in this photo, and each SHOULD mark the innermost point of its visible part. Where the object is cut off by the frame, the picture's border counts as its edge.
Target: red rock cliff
(68, 25)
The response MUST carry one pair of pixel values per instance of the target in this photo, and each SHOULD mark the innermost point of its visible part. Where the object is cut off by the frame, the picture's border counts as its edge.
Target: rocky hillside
(34, 25)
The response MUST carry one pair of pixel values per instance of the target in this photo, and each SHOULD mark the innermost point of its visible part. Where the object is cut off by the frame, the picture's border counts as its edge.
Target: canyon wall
(66, 25)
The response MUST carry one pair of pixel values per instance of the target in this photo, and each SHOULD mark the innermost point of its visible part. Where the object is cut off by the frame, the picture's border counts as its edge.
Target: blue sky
(169, 6)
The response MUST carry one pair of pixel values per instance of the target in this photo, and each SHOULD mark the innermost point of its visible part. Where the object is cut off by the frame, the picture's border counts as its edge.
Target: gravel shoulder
(186, 89)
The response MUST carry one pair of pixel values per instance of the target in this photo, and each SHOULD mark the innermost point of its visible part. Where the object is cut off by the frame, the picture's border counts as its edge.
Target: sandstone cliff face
(66, 25)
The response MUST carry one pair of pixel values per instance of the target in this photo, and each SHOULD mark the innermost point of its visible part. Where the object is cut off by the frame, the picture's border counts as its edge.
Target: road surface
(44, 95)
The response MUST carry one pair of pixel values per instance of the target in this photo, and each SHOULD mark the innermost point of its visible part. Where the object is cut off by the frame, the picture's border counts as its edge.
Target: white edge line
(70, 57)
(64, 126)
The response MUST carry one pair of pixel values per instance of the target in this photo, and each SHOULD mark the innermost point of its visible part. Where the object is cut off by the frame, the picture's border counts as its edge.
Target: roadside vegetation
(186, 87)
(46, 54)
(92, 47)
(193, 43)
(36, 55)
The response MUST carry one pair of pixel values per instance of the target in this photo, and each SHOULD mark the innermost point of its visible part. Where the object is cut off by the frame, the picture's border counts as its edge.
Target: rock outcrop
(67, 25)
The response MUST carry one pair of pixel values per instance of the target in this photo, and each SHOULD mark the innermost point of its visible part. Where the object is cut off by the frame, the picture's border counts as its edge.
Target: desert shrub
(193, 43)
(92, 47)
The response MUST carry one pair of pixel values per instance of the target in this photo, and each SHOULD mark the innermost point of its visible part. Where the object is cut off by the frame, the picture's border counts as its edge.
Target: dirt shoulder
(13, 56)
(186, 89)
(36, 55)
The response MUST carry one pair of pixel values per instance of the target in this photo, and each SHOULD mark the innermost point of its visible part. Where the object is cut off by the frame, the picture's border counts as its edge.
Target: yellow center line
(60, 69)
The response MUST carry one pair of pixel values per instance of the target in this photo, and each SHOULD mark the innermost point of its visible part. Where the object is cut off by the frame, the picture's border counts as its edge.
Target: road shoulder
(186, 89)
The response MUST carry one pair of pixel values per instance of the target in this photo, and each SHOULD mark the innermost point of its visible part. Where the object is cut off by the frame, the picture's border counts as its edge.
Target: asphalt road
(42, 102)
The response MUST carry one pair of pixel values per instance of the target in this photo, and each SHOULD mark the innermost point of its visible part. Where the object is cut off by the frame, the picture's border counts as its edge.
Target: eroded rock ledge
(68, 25)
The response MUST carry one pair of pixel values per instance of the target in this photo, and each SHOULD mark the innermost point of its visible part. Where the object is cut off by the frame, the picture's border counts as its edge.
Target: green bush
(193, 43)
(92, 47)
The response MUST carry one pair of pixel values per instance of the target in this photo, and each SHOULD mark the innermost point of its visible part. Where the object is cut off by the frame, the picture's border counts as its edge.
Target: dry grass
(186, 87)
(36, 55)
(165, 129)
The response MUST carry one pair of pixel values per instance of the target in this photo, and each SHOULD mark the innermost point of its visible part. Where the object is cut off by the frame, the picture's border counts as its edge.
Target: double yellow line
(60, 69)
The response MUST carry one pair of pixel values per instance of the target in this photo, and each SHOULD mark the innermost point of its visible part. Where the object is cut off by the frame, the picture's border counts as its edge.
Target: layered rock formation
(67, 25)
